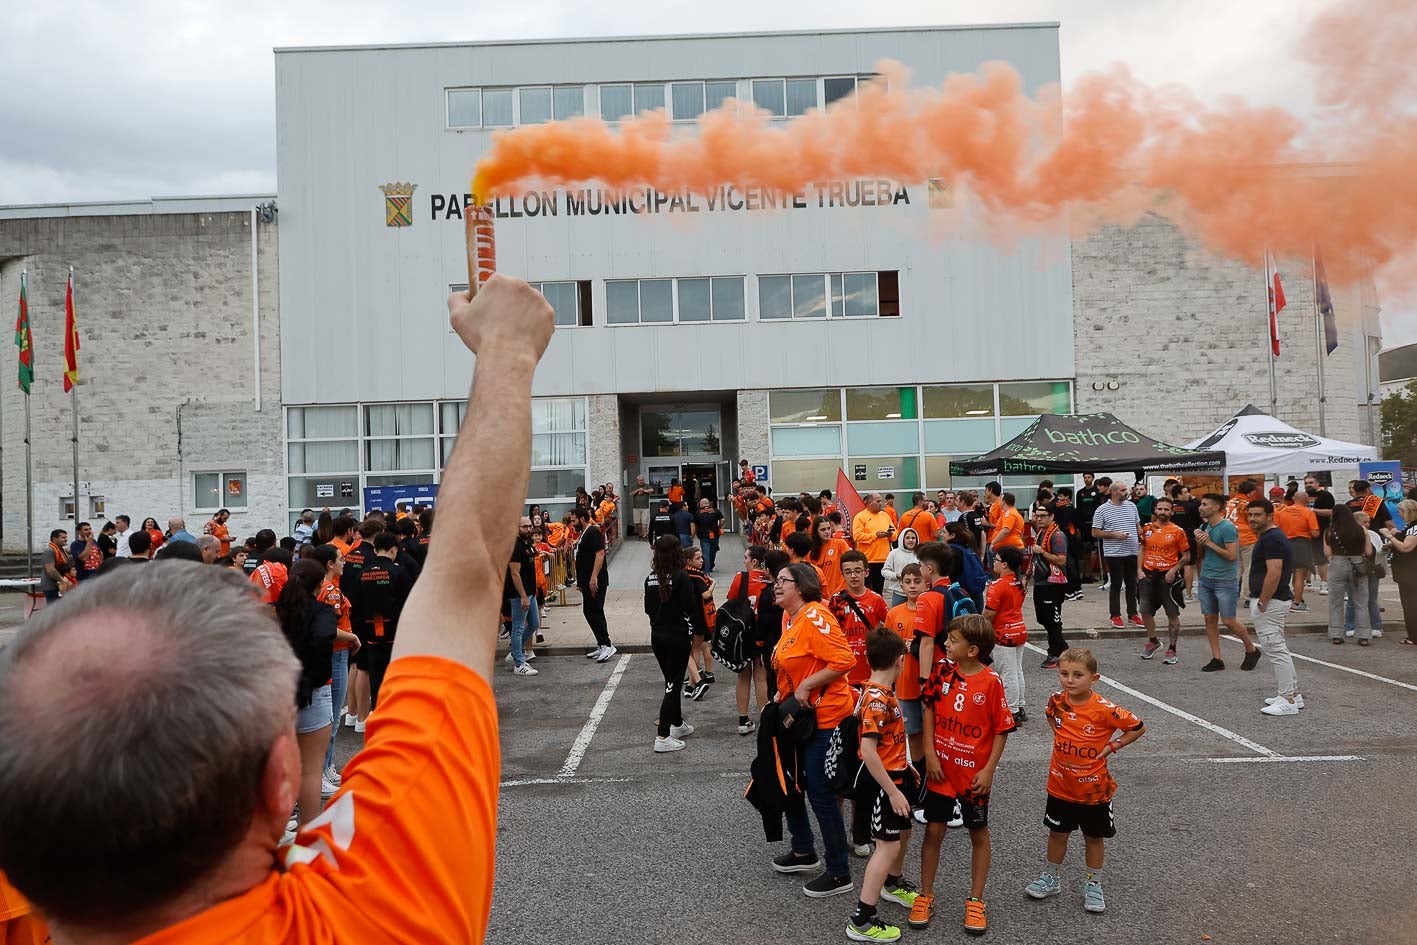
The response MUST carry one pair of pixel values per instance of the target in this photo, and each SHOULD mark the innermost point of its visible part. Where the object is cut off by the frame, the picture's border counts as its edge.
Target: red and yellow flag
(71, 338)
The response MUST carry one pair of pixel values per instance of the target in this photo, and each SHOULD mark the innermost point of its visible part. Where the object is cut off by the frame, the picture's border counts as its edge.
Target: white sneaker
(358, 726)
(326, 788)
(662, 744)
(681, 731)
(525, 669)
(1282, 707)
(1377, 632)
(1348, 633)
(1298, 700)
(1323, 588)
(349, 719)
(333, 776)
(595, 653)
(862, 850)
(530, 655)
(606, 652)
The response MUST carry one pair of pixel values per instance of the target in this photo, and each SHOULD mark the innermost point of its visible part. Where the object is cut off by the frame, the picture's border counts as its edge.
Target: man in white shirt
(125, 528)
(1116, 523)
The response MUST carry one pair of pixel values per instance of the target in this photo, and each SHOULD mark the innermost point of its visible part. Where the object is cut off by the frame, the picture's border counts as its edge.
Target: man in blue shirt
(1218, 586)
(177, 530)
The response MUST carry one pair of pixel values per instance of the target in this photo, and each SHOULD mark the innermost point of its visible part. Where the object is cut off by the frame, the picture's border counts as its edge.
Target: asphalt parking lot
(1233, 826)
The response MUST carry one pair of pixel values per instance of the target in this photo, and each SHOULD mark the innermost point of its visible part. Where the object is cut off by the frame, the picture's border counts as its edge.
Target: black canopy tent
(1095, 442)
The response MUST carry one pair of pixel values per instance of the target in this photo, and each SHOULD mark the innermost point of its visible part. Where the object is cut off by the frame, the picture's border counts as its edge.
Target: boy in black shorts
(886, 757)
(1080, 787)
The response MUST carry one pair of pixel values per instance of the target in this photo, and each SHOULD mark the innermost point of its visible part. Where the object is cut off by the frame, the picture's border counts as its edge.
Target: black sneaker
(826, 885)
(1251, 660)
(707, 677)
(1050, 663)
(697, 692)
(794, 862)
(1020, 715)
(1214, 666)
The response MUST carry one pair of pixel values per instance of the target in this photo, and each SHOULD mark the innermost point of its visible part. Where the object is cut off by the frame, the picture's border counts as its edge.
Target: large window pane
(622, 301)
(937, 473)
(790, 476)
(396, 479)
(616, 101)
(558, 449)
(880, 403)
(569, 101)
(649, 97)
(206, 490)
(1010, 427)
(656, 300)
(451, 414)
(562, 296)
(688, 100)
(496, 108)
(885, 474)
(1033, 397)
(234, 490)
(536, 106)
(316, 492)
(960, 400)
(716, 93)
(385, 455)
(557, 414)
(693, 300)
(398, 419)
(859, 289)
(334, 456)
(809, 297)
(728, 299)
(321, 422)
(768, 94)
(959, 437)
(554, 483)
(834, 89)
(804, 406)
(464, 108)
(888, 437)
(699, 432)
(801, 95)
(659, 433)
(807, 441)
(774, 297)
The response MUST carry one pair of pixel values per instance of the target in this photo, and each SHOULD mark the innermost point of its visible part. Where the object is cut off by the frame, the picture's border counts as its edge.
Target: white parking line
(528, 781)
(1347, 669)
(1180, 713)
(582, 742)
(1284, 758)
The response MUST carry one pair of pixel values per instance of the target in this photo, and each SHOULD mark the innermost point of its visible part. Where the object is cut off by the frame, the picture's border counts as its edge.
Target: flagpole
(74, 400)
(1270, 331)
(1318, 337)
(29, 466)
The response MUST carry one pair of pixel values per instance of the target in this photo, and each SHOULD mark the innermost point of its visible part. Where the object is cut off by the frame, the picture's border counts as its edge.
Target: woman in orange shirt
(329, 593)
(675, 495)
(155, 533)
(812, 660)
(826, 555)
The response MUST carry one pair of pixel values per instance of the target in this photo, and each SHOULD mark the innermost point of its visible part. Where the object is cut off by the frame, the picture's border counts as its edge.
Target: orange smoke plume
(1234, 176)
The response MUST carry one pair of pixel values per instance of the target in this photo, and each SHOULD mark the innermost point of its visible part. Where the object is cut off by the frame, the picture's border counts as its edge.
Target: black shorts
(886, 824)
(1302, 550)
(940, 809)
(361, 658)
(1155, 594)
(1094, 820)
(1320, 558)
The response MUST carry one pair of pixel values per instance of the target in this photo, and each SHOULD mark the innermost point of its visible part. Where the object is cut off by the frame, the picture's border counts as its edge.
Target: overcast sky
(158, 97)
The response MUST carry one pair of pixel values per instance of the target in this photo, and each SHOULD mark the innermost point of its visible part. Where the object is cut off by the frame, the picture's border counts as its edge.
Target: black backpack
(733, 627)
(957, 604)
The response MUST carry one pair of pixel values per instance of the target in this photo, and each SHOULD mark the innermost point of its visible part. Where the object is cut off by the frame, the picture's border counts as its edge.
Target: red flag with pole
(1276, 305)
(848, 498)
(71, 338)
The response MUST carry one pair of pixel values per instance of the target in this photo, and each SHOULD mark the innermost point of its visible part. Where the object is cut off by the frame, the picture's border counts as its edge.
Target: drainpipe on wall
(255, 310)
(181, 505)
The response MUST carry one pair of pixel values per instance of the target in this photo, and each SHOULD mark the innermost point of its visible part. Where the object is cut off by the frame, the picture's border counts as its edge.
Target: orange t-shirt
(1162, 546)
(1080, 732)
(555, 534)
(1296, 521)
(343, 547)
(922, 521)
(901, 619)
(1235, 512)
(881, 719)
(18, 924)
(864, 528)
(829, 564)
(930, 614)
(1010, 519)
(789, 526)
(404, 851)
(1005, 598)
(969, 712)
(675, 494)
(270, 578)
(220, 533)
(890, 510)
(329, 594)
(810, 642)
(873, 609)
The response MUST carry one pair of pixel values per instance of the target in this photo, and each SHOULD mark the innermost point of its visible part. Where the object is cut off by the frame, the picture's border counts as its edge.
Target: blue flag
(1323, 302)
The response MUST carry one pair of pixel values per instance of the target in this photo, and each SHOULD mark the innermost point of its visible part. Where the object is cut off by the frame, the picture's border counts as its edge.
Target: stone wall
(603, 432)
(753, 426)
(164, 315)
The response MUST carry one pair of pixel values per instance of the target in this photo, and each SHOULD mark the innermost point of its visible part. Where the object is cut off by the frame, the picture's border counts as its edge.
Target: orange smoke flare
(1234, 177)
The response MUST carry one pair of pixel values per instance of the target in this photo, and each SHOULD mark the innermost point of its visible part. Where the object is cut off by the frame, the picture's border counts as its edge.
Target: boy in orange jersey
(1080, 788)
(901, 619)
(886, 761)
(964, 708)
(858, 609)
(1164, 549)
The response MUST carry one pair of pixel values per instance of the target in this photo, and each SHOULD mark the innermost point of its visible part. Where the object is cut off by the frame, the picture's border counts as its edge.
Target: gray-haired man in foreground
(149, 762)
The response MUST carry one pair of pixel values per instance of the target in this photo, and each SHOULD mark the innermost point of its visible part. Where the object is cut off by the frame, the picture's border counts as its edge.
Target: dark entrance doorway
(701, 482)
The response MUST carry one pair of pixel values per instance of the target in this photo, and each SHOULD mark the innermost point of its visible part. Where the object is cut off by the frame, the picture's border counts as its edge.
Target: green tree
(1400, 425)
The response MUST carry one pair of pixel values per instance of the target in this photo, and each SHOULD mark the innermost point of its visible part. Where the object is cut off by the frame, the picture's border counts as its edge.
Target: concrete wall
(164, 314)
(1184, 334)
